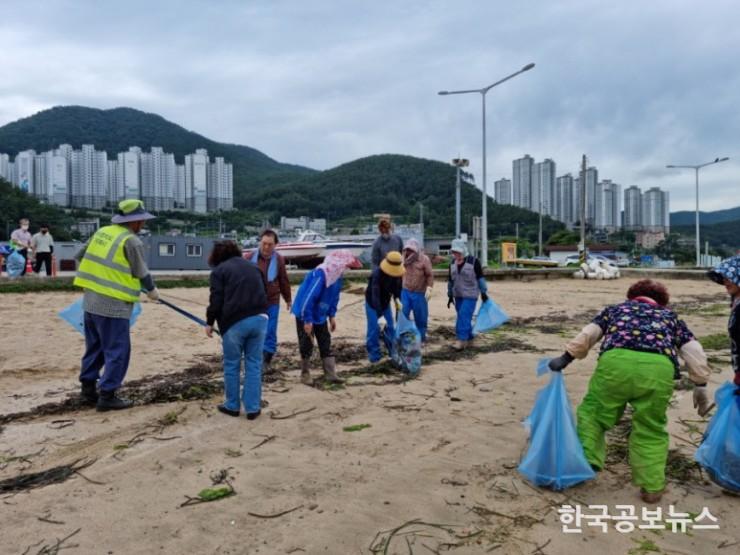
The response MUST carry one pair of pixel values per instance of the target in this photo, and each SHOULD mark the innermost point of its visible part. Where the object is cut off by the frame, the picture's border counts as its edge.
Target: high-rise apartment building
(656, 210)
(196, 181)
(632, 208)
(607, 206)
(543, 187)
(564, 204)
(521, 182)
(502, 191)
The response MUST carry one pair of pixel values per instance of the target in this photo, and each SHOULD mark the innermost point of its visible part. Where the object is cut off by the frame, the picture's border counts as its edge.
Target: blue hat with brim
(131, 210)
(727, 269)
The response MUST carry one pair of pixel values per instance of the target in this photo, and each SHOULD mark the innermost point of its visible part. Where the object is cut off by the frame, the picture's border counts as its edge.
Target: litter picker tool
(185, 313)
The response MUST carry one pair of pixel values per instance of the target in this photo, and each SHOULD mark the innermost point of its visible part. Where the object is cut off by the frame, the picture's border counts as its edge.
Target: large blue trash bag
(719, 452)
(74, 315)
(489, 317)
(555, 456)
(406, 352)
(15, 264)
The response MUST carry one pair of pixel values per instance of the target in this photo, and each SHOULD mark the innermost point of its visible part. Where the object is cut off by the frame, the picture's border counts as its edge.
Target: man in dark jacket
(384, 285)
(239, 304)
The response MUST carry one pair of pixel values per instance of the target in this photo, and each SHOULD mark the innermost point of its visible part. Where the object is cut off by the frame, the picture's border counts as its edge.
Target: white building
(502, 191)
(4, 168)
(128, 174)
(632, 208)
(23, 167)
(607, 206)
(564, 208)
(85, 178)
(656, 210)
(521, 182)
(196, 181)
(543, 187)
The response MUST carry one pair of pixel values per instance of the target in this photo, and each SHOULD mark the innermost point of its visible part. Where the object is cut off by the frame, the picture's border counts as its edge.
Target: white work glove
(153, 294)
(428, 294)
(701, 399)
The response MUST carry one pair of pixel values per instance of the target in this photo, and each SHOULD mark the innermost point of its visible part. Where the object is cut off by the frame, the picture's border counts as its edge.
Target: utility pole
(458, 163)
(582, 245)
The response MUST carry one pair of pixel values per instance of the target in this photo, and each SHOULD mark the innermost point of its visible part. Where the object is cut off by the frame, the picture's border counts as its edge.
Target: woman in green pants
(642, 339)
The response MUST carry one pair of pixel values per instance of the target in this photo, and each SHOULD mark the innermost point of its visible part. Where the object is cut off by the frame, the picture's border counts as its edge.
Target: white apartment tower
(502, 191)
(607, 206)
(196, 181)
(656, 210)
(521, 182)
(564, 208)
(632, 208)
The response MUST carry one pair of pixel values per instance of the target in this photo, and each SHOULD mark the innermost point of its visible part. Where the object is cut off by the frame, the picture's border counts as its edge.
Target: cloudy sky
(635, 85)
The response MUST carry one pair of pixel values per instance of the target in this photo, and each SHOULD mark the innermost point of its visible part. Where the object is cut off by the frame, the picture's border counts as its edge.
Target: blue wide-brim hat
(131, 210)
(727, 269)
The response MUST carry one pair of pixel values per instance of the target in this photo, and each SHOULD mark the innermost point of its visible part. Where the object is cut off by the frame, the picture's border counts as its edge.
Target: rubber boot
(88, 393)
(330, 370)
(108, 400)
(306, 372)
(267, 363)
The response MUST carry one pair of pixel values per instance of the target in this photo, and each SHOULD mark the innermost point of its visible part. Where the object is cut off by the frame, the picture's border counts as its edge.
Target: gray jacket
(382, 246)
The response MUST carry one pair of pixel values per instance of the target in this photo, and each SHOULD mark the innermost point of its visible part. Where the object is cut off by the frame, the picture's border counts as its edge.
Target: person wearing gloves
(384, 243)
(315, 309)
(112, 272)
(238, 302)
(20, 240)
(384, 284)
(465, 282)
(418, 281)
(728, 274)
(642, 340)
(272, 266)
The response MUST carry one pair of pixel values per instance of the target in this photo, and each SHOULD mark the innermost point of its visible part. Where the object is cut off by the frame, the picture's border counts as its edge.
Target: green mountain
(687, 217)
(395, 184)
(17, 204)
(724, 235)
(117, 129)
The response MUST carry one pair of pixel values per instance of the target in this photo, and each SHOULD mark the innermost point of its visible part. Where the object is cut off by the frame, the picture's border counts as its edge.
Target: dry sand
(442, 448)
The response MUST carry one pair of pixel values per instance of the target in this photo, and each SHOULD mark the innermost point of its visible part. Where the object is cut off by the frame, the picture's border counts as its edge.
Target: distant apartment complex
(85, 178)
(534, 186)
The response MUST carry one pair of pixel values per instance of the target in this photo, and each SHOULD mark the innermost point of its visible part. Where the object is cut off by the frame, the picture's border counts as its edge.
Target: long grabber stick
(185, 313)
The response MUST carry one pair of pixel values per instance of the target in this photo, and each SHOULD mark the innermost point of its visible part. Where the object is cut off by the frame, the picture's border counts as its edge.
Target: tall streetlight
(458, 163)
(482, 92)
(696, 169)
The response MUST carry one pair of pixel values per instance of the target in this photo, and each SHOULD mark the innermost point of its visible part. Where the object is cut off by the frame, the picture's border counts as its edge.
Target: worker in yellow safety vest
(112, 272)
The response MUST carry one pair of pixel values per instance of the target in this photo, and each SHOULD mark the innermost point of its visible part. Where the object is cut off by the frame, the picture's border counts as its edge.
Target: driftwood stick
(291, 415)
(276, 514)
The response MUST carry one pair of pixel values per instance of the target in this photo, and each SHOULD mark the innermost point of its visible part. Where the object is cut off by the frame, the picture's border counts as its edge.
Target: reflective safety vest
(104, 268)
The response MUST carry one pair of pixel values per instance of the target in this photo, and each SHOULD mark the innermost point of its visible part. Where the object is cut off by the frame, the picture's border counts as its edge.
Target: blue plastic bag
(555, 456)
(406, 351)
(15, 264)
(489, 317)
(74, 315)
(719, 452)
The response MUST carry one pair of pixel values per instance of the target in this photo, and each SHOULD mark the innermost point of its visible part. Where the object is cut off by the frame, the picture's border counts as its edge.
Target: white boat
(311, 248)
(315, 238)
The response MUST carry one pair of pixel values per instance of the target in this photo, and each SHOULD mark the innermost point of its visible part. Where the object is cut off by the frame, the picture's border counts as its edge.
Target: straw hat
(392, 264)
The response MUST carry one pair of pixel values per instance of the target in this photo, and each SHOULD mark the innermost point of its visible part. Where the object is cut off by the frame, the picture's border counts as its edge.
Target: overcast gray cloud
(635, 85)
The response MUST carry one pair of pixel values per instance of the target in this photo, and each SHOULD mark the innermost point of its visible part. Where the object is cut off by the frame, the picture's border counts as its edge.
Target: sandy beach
(440, 450)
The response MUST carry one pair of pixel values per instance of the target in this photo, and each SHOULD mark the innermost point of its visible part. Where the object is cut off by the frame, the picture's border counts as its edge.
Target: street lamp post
(484, 219)
(458, 163)
(696, 169)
